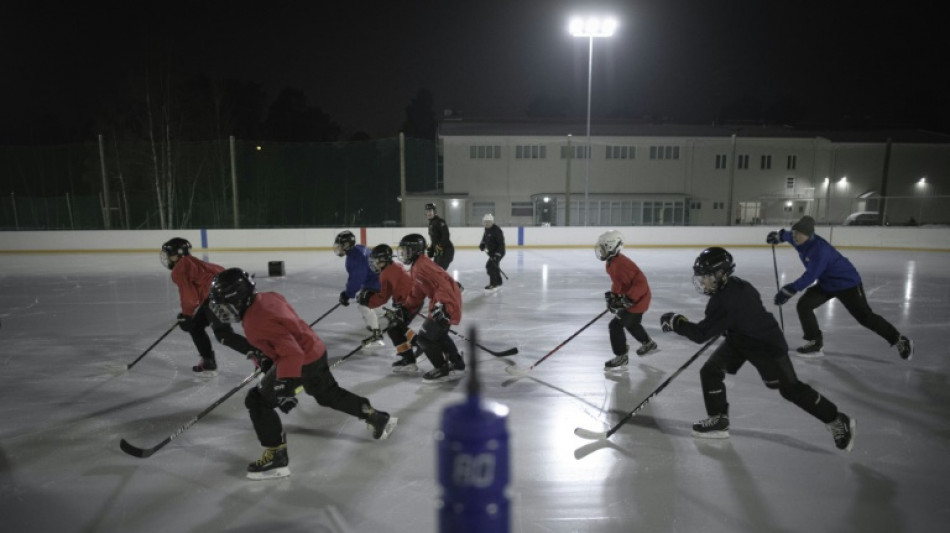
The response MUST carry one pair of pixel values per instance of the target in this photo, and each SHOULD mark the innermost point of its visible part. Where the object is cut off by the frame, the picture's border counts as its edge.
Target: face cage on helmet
(225, 312)
(378, 264)
(407, 255)
(708, 283)
(163, 256)
(602, 251)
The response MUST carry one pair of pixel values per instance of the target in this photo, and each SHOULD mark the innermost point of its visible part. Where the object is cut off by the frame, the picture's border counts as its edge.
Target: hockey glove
(481, 247)
(783, 295)
(430, 251)
(669, 320)
(260, 360)
(185, 322)
(438, 313)
(437, 251)
(364, 295)
(344, 299)
(775, 237)
(285, 389)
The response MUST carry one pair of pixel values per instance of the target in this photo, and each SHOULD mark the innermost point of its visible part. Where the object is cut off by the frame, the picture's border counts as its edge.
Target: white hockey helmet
(488, 220)
(608, 245)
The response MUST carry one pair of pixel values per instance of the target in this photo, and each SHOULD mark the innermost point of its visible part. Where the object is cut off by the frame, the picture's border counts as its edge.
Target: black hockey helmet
(430, 207)
(232, 292)
(712, 269)
(177, 247)
(344, 242)
(411, 247)
(381, 257)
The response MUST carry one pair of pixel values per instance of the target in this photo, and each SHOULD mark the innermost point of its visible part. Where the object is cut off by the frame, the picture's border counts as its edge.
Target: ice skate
(381, 424)
(617, 362)
(374, 341)
(714, 427)
(905, 347)
(272, 464)
(406, 364)
(842, 429)
(811, 350)
(441, 375)
(207, 368)
(646, 348)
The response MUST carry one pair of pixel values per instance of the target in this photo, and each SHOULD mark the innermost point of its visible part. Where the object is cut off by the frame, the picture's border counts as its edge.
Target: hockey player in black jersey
(441, 250)
(751, 334)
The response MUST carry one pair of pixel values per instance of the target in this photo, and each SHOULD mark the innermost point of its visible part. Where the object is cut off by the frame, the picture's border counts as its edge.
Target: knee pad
(253, 398)
(772, 384)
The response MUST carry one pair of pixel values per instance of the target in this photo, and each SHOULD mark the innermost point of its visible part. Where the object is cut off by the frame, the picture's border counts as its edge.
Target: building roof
(456, 127)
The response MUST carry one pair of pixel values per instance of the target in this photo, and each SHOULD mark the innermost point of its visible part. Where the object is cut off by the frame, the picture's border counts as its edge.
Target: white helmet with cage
(608, 245)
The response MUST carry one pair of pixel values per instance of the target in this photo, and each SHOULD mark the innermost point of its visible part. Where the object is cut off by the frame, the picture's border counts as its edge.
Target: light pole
(590, 27)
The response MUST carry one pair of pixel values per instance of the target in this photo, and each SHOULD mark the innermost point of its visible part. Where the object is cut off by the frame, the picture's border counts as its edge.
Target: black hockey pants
(854, 300)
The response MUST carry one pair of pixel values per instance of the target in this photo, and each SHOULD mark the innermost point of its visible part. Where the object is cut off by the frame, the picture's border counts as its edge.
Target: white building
(528, 172)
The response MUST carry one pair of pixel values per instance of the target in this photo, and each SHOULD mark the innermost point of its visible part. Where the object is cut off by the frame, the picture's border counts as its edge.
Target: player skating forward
(493, 243)
(445, 309)
(193, 278)
(396, 284)
(628, 298)
(299, 358)
(751, 334)
(837, 278)
(359, 277)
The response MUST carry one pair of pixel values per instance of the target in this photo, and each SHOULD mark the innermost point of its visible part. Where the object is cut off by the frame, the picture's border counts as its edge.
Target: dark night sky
(362, 62)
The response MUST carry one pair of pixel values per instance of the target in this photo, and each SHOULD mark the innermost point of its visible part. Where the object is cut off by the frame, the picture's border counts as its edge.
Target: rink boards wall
(303, 239)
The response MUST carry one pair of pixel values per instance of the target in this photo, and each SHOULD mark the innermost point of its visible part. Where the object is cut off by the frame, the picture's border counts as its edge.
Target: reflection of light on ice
(544, 277)
(909, 287)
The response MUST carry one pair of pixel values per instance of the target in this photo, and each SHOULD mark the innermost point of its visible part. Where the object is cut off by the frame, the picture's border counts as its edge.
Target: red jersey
(272, 325)
(395, 283)
(627, 279)
(193, 277)
(430, 281)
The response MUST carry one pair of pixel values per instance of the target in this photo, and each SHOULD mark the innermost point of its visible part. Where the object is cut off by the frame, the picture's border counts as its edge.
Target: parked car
(863, 218)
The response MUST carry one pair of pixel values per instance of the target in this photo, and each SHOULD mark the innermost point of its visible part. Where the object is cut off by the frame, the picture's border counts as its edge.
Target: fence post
(16, 219)
(69, 209)
(234, 188)
(106, 215)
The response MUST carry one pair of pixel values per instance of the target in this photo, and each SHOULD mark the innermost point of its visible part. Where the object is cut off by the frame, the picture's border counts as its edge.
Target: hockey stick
(515, 371)
(777, 288)
(503, 353)
(332, 309)
(588, 434)
(347, 356)
(137, 359)
(135, 451)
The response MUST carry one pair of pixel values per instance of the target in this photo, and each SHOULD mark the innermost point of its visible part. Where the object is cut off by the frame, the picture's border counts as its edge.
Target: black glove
(260, 360)
(286, 391)
(481, 247)
(430, 251)
(783, 295)
(185, 322)
(775, 237)
(364, 295)
(669, 320)
(395, 316)
(616, 302)
(437, 250)
(496, 258)
(438, 313)
(344, 299)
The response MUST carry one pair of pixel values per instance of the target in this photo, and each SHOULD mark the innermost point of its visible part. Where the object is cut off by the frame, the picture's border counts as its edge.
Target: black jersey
(439, 234)
(736, 311)
(494, 241)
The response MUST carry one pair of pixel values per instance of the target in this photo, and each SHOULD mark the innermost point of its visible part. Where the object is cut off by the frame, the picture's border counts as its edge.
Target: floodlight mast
(590, 27)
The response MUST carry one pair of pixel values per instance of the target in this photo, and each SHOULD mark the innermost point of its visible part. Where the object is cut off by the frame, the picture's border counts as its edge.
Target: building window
(766, 162)
(792, 162)
(484, 152)
(530, 151)
(696, 205)
(790, 183)
(621, 152)
(480, 209)
(664, 152)
(721, 161)
(742, 162)
(579, 152)
(522, 209)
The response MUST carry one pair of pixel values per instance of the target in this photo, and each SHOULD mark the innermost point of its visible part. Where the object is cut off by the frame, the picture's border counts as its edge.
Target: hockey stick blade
(503, 353)
(135, 451)
(517, 372)
(588, 434)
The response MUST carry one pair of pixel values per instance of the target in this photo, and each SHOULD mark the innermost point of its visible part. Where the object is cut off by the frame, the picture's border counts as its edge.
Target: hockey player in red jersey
(295, 357)
(396, 284)
(445, 309)
(628, 299)
(193, 278)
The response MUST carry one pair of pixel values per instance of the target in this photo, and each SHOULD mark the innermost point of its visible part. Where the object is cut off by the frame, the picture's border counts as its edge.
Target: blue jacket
(825, 264)
(360, 275)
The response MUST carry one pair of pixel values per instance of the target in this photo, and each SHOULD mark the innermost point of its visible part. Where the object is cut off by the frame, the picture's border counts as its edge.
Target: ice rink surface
(72, 322)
